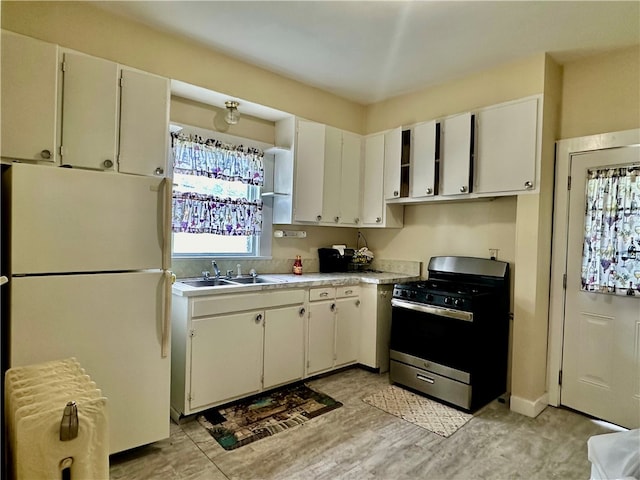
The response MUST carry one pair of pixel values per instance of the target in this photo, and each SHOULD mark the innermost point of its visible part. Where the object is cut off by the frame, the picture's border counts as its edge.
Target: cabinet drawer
(349, 291)
(216, 304)
(316, 294)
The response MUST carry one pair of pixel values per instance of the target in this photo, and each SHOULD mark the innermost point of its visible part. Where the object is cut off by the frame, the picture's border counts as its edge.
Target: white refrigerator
(89, 253)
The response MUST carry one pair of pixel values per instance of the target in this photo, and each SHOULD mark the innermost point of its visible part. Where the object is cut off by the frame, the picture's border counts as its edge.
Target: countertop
(305, 280)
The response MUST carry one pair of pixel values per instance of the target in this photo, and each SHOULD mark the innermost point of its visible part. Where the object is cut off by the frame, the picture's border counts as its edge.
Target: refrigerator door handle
(169, 278)
(165, 221)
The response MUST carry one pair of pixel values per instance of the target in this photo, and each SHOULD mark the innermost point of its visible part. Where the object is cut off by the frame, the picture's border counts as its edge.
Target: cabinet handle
(45, 154)
(463, 189)
(319, 217)
(378, 219)
(107, 163)
(302, 311)
(335, 219)
(357, 303)
(258, 318)
(158, 171)
(428, 191)
(333, 307)
(324, 294)
(348, 292)
(395, 193)
(357, 220)
(528, 184)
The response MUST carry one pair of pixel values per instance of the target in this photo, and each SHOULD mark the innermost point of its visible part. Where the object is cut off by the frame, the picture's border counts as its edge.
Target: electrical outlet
(493, 253)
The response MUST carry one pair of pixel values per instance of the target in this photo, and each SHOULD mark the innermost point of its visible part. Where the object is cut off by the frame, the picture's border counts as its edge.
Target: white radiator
(56, 422)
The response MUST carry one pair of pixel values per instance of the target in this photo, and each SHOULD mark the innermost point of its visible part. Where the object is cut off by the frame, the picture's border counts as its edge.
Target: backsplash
(193, 267)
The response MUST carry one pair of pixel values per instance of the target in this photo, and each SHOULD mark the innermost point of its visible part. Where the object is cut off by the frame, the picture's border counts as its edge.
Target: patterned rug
(419, 410)
(252, 419)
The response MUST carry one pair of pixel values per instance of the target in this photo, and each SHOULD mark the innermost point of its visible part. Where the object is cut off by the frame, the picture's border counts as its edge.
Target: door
(455, 155)
(112, 324)
(233, 341)
(347, 330)
(283, 345)
(309, 166)
(350, 178)
(423, 159)
(392, 161)
(144, 123)
(601, 349)
(89, 112)
(29, 98)
(332, 175)
(372, 184)
(73, 220)
(321, 346)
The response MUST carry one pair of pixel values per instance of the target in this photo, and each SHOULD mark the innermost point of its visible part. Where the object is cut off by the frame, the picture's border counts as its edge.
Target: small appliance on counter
(335, 259)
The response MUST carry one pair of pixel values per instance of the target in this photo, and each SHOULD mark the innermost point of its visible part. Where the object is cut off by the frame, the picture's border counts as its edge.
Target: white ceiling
(368, 51)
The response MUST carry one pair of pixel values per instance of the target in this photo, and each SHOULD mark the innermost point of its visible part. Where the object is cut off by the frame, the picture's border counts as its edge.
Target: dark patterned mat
(249, 420)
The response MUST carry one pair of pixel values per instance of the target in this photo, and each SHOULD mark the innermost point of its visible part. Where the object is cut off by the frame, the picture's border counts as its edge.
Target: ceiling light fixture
(233, 116)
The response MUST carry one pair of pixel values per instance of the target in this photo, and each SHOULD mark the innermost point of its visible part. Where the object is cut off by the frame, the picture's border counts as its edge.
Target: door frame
(565, 149)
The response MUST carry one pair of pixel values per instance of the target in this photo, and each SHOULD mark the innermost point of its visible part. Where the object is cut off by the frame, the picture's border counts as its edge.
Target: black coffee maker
(331, 260)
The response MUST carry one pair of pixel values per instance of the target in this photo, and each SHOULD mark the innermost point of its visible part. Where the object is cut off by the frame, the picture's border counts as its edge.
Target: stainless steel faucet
(216, 270)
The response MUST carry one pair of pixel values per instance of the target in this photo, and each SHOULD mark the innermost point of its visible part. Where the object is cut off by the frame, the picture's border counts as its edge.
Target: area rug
(249, 420)
(419, 410)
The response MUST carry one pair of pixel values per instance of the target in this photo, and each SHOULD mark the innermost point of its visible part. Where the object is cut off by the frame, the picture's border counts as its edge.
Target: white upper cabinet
(424, 143)
(375, 212)
(144, 116)
(309, 171)
(29, 98)
(89, 112)
(455, 154)
(342, 162)
(350, 179)
(508, 147)
(392, 163)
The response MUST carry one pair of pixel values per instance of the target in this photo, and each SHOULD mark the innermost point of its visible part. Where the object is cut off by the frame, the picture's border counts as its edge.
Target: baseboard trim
(530, 408)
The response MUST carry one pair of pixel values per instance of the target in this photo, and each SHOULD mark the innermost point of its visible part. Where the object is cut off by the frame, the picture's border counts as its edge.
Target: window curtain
(201, 213)
(611, 250)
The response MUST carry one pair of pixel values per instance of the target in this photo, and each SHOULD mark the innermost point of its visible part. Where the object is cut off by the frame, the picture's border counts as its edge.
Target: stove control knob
(413, 294)
(448, 300)
(458, 302)
(429, 297)
(404, 293)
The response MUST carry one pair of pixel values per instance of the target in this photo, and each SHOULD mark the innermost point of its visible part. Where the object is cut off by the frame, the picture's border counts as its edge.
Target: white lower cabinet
(226, 357)
(283, 345)
(228, 346)
(334, 322)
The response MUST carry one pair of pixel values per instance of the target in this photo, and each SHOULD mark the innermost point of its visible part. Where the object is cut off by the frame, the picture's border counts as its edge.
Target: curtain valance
(198, 213)
(194, 155)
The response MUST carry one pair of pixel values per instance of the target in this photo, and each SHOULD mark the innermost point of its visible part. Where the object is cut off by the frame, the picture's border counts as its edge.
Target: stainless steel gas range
(450, 333)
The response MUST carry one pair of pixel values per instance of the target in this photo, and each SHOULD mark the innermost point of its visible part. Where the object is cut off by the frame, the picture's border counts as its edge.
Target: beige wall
(601, 94)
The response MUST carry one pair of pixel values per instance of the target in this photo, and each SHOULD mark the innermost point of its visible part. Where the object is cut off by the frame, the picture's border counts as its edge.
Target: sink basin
(212, 282)
(249, 280)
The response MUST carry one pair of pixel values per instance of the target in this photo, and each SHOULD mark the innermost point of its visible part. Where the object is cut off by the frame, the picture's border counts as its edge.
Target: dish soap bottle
(297, 265)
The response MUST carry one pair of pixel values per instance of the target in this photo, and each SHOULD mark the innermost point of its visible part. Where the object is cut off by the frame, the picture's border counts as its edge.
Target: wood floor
(358, 441)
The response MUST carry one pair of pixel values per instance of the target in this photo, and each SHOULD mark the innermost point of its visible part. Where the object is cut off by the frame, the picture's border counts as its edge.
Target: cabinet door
(144, 123)
(423, 160)
(332, 175)
(372, 184)
(350, 179)
(89, 112)
(309, 160)
(321, 337)
(507, 148)
(455, 155)
(283, 345)
(226, 357)
(29, 98)
(392, 161)
(347, 330)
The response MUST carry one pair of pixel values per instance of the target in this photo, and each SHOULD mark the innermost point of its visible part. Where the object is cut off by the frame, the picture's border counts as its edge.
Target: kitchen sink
(211, 282)
(249, 280)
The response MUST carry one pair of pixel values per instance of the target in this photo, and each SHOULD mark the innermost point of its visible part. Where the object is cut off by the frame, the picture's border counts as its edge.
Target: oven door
(436, 334)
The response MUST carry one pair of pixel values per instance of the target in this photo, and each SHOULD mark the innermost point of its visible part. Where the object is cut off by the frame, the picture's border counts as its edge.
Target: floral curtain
(204, 213)
(611, 251)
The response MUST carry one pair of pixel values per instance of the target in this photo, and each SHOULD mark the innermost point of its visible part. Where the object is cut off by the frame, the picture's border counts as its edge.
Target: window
(611, 249)
(217, 207)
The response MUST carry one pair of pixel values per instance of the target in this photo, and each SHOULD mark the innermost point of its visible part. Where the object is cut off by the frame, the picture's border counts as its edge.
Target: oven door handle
(433, 310)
